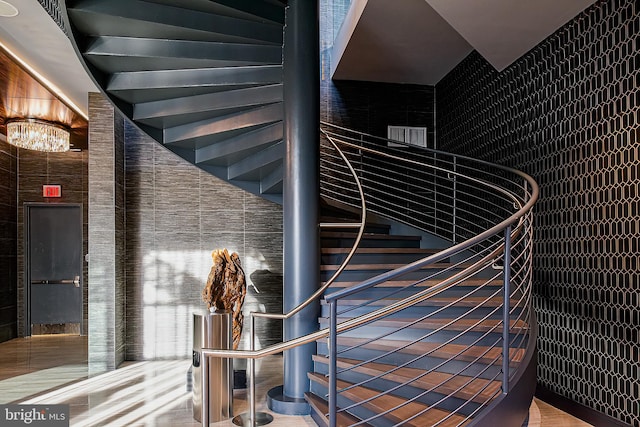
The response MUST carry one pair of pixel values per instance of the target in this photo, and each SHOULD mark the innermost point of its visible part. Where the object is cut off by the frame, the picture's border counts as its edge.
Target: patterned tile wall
(8, 242)
(35, 169)
(176, 215)
(120, 241)
(568, 113)
(106, 231)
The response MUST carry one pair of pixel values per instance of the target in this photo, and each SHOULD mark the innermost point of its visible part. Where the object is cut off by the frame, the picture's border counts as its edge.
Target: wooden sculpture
(226, 288)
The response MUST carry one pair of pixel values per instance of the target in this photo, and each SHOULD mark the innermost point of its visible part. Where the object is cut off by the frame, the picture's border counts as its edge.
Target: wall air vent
(416, 136)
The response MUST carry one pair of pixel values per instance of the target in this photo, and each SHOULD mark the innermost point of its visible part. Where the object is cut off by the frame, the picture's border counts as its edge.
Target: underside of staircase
(204, 78)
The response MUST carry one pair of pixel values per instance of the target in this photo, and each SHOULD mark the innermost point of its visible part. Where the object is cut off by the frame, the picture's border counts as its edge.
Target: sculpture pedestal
(213, 330)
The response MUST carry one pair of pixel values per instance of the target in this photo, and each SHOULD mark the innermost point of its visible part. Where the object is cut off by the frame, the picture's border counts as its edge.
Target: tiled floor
(53, 370)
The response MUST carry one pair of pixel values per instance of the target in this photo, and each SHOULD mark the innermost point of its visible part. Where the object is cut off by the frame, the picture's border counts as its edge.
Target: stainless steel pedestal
(213, 331)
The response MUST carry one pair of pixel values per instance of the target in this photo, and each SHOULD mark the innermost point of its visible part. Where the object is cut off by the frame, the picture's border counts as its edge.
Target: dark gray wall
(568, 113)
(8, 242)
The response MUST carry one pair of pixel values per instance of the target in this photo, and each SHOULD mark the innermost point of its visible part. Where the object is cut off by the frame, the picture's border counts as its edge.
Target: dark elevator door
(54, 267)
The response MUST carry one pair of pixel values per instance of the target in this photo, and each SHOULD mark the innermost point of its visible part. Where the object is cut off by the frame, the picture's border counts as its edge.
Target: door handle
(75, 282)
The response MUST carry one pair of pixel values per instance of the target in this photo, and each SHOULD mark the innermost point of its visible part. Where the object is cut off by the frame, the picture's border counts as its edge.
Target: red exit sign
(51, 191)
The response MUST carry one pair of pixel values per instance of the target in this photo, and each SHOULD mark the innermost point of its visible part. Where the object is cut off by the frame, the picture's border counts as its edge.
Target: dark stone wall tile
(139, 190)
(106, 277)
(7, 200)
(262, 215)
(233, 241)
(32, 162)
(216, 194)
(216, 220)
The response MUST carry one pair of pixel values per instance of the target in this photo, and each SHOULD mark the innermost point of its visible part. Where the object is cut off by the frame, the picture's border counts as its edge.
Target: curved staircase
(417, 335)
(430, 364)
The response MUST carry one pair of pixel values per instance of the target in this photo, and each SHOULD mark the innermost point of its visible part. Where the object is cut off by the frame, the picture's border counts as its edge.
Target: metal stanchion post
(252, 418)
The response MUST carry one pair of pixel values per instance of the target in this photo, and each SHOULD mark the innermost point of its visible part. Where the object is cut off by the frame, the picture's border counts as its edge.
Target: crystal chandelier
(37, 135)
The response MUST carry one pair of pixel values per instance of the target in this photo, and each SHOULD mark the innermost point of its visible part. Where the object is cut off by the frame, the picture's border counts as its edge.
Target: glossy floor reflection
(53, 370)
(154, 394)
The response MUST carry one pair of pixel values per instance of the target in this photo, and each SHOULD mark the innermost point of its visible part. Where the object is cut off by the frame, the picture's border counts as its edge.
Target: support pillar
(301, 195)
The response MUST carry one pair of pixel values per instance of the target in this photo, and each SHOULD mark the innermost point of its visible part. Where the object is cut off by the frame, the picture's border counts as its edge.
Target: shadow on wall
(171, 294)
(264, 293)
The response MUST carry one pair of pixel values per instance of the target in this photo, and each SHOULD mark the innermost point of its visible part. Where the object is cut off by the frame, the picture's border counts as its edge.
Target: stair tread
(482, 354)
(384, 403)
(337, 219)
(463, 386)
(346, 235)
(343, 419)
(431, 323)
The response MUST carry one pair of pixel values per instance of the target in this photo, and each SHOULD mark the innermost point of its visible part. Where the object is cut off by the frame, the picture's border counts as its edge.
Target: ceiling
(27, 35)
(402, 41)
(22, 96)
(420, 41)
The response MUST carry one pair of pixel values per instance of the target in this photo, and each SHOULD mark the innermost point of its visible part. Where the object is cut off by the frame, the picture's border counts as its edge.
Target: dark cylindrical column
(301, 188)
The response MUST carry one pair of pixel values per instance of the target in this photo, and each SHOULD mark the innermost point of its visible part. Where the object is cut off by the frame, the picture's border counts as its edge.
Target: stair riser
(320, 419)
(330, 242)
(407, 391)
(361, 275)
(368, 228)
(427, 273)
(376, 258)
(358, 411)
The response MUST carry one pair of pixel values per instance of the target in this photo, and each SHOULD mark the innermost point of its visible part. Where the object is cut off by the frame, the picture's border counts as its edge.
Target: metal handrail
(522, 204)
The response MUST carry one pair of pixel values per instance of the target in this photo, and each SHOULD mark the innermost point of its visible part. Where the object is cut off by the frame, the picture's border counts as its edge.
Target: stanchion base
(244, 420)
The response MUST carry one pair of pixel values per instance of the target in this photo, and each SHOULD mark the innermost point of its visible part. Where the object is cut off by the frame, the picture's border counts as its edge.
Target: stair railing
(495, 209)
(467, 197)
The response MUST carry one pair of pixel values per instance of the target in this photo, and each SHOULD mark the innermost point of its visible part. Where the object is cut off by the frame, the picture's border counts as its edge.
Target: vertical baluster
(252, 373)
(506, 309)
(204, 363)
(455, 199)
(333, 365)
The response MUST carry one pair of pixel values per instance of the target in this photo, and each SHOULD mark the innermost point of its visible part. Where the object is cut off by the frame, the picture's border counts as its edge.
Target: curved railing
(480, 336)
(486, 211)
